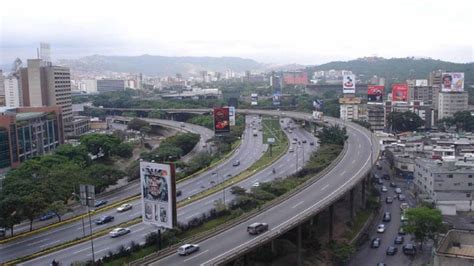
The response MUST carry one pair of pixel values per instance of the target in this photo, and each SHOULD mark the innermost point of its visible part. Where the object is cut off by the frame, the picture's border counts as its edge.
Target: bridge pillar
(331, 221)
(299, 260)
(272, 243)
(351, 195)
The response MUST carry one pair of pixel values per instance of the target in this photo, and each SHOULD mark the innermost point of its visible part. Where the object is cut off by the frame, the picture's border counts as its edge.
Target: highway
(284, 166)
(251, 149)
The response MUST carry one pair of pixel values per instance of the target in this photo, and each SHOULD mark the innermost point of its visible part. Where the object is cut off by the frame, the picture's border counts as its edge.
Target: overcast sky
(290, 31)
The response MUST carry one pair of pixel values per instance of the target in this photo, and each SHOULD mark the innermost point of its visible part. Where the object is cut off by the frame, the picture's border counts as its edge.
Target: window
(470, 176)
(450, 176)
(469, 184)
(468, 195)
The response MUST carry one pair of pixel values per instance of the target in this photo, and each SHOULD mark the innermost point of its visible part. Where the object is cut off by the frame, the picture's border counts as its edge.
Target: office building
(376, 117)
(12, 96)
(349, 108)
(27, 132)
(451, 102)
(418, 90)
(45, 53)
(108, 85)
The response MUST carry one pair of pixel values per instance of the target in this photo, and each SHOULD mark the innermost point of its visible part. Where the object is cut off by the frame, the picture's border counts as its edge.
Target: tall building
(349, 108)
(2, 90)
(28, 132)
(451, 102)
(45, 53)
(108, 85)
(12, 96)
(375, 116)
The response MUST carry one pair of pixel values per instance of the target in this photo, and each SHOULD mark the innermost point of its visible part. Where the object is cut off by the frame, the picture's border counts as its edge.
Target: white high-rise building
(45, 53)
(12, 96)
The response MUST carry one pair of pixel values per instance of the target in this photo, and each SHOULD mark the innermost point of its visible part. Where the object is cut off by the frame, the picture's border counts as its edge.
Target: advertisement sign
(421, 82)
(375, 93)
(348, 83)
(452, 82)
(158, 194)
(254, 99)
(399, 92)
(221, 120)
(318, 104)
(276, 99)
(232, 115)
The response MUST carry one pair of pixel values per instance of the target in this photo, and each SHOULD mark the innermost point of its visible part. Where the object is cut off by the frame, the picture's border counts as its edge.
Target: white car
(404, 206)
(291, 150)
(398, 190)
(384, 189)
(119, 232)
(256, 184)
(125, 207)
(187, 249)
(381, 228)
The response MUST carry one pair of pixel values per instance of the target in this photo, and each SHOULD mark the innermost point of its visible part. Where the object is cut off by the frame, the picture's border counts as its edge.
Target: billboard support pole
(159, 238)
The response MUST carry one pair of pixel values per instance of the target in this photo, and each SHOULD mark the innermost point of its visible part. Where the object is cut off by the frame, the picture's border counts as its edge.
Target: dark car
(388, 200)
(386, 177)
(375, 243)
(399, 240)
(311, 143)
(304, 141)
(391, 251)
(392, 184)
(47, 216)
(236, 163)
(178, 193)
(100, 203)
(387, 217)
(104, 219)
(379, 181)
(381, 264)
(409, 249)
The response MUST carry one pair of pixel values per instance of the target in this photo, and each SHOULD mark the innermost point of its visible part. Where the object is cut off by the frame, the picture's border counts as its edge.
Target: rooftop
(457, 243)
(28, 115)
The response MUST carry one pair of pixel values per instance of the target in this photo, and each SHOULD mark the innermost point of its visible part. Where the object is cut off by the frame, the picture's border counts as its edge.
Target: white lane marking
(105, 249)
(141, 229)
(37, 242)
(51, 243)
(326, 186)
(200, 253)
(81, 250)
(298, 204)
(343, 172)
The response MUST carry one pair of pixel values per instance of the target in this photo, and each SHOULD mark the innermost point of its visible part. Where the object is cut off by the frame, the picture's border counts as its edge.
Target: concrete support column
(331, 221)
(272, 243)
(299, 260)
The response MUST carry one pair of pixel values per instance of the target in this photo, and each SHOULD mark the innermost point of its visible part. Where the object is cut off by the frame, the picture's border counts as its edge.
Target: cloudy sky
(274, 31)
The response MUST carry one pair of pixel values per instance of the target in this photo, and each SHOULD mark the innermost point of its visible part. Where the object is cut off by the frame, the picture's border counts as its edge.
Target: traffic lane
(343, 174)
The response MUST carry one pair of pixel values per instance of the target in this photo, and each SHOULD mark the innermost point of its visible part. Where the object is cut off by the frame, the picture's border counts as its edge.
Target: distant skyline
(281, 32)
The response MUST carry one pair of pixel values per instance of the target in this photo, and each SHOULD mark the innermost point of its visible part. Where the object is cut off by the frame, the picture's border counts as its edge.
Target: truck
(255, 133)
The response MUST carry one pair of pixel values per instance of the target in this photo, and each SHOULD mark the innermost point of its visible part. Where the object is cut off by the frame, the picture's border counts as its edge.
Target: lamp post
(82, 217)
(90, 228)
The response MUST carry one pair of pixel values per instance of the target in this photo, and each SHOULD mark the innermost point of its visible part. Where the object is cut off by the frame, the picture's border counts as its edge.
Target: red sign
(399, 92)
(375, 93)
(221, 120)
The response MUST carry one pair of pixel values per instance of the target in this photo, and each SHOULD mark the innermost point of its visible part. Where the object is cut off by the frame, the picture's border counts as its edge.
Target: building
(376, 117)
(80, 125)
(425, 112)
(108, 85)
(451, 102)
(456, 248)
(349, 108)
(419, 90)
(449, 184)
(12, 94)
(27, 132)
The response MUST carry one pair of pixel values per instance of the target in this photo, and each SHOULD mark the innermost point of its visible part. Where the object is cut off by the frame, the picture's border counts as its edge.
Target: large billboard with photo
(158, 194)
(232, 115)
(452, 82)
(254, 99)
(348, 83)
(375, 93)
(399, 92)
(221, 120)
(276, 99)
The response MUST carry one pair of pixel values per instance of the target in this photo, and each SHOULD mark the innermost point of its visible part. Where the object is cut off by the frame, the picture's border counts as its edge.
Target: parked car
(409, 249)
(178, 193)
(392, 184)
(236, 163)
(401, 231)
(380, 228)
(375, 242)
(404, 206)
(398, 190)
(291, 149)
(384, 189)
(187, 249)
(119, 232)
(401, 197)
(104, 219)
(304, 141)
(100, 203)
(403, 218)
(311, 143)
(257, 228)
(387, 217)
(47, 216)
(125, 207)
(2, 232)
(399, 240)
(391, 251)
(388, 200)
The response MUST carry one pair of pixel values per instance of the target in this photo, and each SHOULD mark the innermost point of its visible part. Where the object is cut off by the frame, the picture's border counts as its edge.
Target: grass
(359, 221)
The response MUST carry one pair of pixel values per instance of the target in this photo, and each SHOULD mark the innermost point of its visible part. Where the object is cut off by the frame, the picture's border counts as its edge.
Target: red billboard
(295, 78)
(221, 120)
(375, 93)
(400, 92)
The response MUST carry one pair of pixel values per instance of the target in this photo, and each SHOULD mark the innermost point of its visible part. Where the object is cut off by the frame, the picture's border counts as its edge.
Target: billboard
(254, 99)
(221, 120)
(232, 115)
(158, 194)
(452, 82)
(276, 99)
(348, 84)
(318, 104)
(375, 93)
(421, 82)
(399, 92)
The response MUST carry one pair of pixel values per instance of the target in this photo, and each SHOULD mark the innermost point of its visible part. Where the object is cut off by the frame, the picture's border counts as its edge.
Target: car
(391, 251)
(187, 249)
(257, 228)
(256, 184)
(403, 218)
(236, 163)
(204, 145)
(304, 141)
(291, 149)
(182, 124)
(384, 189)
(293, 142)
(179, 193)
(392, 184)
(401, 231)
(2, 232)
(290, 131)
(388, 200)
(387, 217)
(404, 206)
(125, 207)
(100, 203)
(104, 219)
(398, 190)
(381, 264)
(375, 242)
(409, 249)
(401, 197)
(47, 216)
(399, 240)
(311, 143)
(379, 181)
(295, 139)
(119, 232)
(378, 165)
(381, 228)
(386, 177)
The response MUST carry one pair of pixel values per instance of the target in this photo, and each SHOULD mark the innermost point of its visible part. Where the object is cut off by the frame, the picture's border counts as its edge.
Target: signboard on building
(254, 99)
(158, 194)
(421, 83)
(232, 115)
(348, 83)
(318, 104)
(375, 93)
(276, 99)
(399, 92)
(221, 120)
(452, 82)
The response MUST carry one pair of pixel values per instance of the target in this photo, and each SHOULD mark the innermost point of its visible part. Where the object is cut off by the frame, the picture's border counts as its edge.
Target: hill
(160, 65)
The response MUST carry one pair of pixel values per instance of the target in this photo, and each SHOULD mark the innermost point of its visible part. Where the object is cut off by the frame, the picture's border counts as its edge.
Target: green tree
(10, 212)
(99, 144)
(406, 121)
(124, 150)
(464, 121)
(423, 222)
(78, 153)
(137, 124)
(341, 251)
(333, 135)
(32, 206)
(58, 207)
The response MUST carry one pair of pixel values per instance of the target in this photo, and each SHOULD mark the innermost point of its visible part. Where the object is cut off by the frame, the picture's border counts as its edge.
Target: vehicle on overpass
(257, 228)
(187, 249)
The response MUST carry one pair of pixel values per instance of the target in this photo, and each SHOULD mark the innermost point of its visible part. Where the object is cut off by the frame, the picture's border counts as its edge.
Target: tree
(137, 124)
(32, 206)
(58, 207)
(464, 121)
(78, 154)
(406, 121)
(333, 135)
(124, 150)
(341, 251)
(423, 222)
(99, 144)
(236, 190)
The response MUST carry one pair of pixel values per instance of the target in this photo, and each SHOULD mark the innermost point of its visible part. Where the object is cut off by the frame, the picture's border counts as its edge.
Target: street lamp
(90, 228)
(82, 217)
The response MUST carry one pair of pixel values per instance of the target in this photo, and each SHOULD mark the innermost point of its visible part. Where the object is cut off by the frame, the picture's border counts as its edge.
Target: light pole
(90, 228)
(82, 217)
